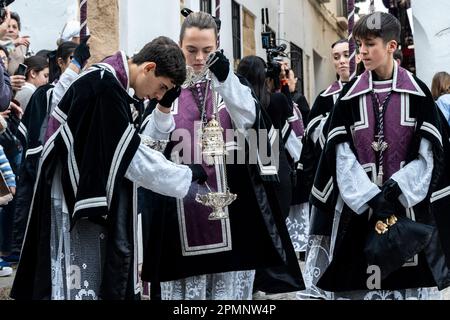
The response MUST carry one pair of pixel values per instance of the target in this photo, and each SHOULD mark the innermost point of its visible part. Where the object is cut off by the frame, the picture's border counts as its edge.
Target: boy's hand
(170, 96)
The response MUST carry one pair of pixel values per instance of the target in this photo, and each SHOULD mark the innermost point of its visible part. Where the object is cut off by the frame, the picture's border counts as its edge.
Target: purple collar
(402, 82)
(119, 66)
(335, 87)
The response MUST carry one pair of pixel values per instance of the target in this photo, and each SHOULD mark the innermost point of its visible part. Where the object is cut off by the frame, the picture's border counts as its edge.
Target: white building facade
(307, 27)
(431, 37)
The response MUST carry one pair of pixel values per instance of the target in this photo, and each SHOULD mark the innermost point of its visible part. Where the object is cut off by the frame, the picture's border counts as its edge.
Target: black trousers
(23, 199)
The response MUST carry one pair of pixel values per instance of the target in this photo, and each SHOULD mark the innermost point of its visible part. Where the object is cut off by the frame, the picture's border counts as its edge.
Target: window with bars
(205, 6)
(236, 29)
(297, 65)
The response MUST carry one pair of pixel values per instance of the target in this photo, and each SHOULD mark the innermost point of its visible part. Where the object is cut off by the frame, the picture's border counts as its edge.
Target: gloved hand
(198, 173)
(221, 66)
(170, 96)
(82, 53)
(391, 191)
(382, 208)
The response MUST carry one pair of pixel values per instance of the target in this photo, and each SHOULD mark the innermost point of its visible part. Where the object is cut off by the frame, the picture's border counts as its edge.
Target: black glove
(82, 53)
(221, 66)
(391, 191)
(198, 173)
(170, 96)
(382, 208)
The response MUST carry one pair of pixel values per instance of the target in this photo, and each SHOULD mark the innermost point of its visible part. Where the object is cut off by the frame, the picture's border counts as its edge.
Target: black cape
(258, 229)
(309, 159)
(348, 268)
(303, 106)
(100, 141)
(30, 135)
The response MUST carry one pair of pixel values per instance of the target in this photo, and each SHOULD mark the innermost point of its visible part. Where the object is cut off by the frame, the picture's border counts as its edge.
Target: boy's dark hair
(15, 16)
(201, 20)
(379, 25)
(167, 55)
(36, 64)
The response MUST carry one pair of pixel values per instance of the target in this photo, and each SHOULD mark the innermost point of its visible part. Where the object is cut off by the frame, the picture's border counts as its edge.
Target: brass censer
(214, 153)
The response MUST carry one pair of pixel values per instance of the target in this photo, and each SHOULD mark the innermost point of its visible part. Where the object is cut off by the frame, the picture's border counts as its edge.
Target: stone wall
(103, 23)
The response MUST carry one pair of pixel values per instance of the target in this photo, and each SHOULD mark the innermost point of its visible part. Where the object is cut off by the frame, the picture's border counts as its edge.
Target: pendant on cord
(379, 146)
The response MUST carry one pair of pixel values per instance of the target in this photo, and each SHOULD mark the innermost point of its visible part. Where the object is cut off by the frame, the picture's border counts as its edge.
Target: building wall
(431, 38)
(311, 27)
(104, 31)
(43, 20)
(141, 21)
(129, 25)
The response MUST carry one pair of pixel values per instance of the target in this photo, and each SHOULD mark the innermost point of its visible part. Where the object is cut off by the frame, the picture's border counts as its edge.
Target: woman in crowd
(35, 76)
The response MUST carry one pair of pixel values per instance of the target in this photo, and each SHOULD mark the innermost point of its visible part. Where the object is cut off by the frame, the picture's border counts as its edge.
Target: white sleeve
(160, 125)
(294, 146)
(151, 170)
(355, 187)
(62, 85)
(414, 178)
(238, 100)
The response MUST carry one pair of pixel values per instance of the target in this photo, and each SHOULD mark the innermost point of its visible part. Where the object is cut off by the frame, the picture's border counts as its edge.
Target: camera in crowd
(3, 5)
(274, 53)
(274, 59)
(275, 56)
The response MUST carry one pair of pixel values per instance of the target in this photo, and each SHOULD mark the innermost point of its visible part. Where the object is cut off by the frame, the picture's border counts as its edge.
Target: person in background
(398, 56)
(35, 76)
(5, 83)
(279, 106)
(313, 142)
(17, 81)
(297, 96)
(34, 124)
(17, 45)
(9, 177)
(440, 89)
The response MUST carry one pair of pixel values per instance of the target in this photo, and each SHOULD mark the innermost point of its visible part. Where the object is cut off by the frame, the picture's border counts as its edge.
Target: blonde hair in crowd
(440, 84)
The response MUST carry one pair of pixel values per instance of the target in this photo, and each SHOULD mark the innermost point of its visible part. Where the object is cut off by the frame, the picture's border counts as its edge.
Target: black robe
(258, 229)
(303, 106)
(94, 147)
(30, 136)
(309, 159)
(348, 268)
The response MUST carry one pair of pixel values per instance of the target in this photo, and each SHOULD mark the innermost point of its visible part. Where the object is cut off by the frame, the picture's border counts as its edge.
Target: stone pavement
(5, 285)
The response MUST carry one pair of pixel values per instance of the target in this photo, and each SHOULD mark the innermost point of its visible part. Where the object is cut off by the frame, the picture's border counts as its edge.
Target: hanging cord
(380, 145)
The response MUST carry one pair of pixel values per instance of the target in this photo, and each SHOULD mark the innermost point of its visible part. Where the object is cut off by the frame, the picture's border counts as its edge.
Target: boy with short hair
(383, 156)
(81, 241)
